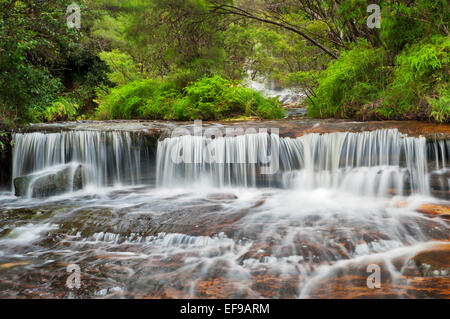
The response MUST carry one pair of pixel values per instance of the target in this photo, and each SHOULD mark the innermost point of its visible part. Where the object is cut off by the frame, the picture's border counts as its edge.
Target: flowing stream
(247, 216)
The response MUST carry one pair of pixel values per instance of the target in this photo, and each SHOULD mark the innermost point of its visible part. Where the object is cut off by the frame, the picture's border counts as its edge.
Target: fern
(61, 110)
(210, 98)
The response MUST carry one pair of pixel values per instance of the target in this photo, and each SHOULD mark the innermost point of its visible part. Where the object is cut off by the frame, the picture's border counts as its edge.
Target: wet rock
(295, 111)
(439, 184)
(69, 178)
(442, 211)
(5, 159)
(223, 197)
(434, 262)
(21, 185)
(287, 127)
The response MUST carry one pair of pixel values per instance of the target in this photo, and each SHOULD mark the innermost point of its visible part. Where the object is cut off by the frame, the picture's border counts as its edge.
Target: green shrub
(206, 99)
(407, 22)
(362, 84)
(251, 103)
(420, 71)
(440, 107)
(211, 98)
(61, 110)
(137, 99)
(349, 82)
(399, 30)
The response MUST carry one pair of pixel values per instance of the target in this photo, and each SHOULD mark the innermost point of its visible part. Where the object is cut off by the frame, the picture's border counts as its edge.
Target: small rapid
(199, 217)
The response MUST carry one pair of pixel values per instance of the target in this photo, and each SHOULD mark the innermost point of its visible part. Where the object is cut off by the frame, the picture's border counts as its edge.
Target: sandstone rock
(442, 211)
(435, 261)
(12, 265)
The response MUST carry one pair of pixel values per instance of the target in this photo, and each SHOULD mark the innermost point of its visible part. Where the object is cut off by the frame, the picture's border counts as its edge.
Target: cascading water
(215, 225)
(269, 89)
(108, 158)
(373, 163)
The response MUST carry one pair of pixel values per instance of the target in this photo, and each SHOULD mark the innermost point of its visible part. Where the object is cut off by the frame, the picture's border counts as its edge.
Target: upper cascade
(377, 163)
(108, 158)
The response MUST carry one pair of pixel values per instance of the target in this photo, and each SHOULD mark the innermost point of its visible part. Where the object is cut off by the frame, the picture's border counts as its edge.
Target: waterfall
(226, 161)
(301, 215)
(108, 158)
(375, 163)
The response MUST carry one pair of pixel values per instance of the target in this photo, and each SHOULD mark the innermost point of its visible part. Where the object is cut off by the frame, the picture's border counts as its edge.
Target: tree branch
(228, 9)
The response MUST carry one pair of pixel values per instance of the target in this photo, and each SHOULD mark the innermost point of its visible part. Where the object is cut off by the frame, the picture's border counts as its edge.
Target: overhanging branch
(229, 9)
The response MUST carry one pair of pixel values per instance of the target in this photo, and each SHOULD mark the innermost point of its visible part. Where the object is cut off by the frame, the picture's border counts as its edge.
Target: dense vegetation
(211, 98)
(187, 59)
(405, 77)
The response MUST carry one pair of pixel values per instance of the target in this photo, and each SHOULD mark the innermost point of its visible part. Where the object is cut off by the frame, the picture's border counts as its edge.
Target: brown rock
(435, 261)
(12, 265)
(442, 211)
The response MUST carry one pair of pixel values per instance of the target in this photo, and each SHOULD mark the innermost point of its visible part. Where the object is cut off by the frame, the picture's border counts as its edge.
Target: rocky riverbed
(143, 227)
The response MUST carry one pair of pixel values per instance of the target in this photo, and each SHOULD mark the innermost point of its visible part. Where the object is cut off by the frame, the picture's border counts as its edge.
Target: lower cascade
(247, 216)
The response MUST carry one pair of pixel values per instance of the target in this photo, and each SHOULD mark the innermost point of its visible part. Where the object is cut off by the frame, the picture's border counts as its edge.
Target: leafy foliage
(61, 110)
(123, 68)
(440, 107)
(212, 98)
(184, 59)
(41, 58)
(421, 73)
(350, 81)
(405, 78)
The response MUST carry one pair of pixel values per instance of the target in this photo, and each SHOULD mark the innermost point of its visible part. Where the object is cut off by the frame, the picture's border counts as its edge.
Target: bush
(137, 99)
(440, 107)
(352, 80)
(211, 98)
(252, 103)
(61, 110)
(205, 99)
(362, 84)
(420, 75)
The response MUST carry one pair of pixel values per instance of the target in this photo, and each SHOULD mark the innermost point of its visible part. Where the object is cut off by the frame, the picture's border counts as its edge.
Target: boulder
(69, 178)
(21, 185)
(439, 184)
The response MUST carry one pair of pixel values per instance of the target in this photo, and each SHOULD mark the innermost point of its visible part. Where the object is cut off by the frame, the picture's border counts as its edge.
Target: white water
(373, 163)
(285, 95)
(378, 163)
(339, 201)
(109, 158)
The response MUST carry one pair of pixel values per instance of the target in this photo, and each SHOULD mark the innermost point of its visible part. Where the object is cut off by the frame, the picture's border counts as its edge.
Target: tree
(40, 58)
